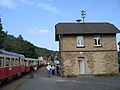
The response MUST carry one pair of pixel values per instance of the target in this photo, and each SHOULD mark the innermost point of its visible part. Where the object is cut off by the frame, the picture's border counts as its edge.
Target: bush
(70, 76)
(119, 60)
(106, 75)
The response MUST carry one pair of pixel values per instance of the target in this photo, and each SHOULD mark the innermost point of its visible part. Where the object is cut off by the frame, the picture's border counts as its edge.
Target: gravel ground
(14, 84)
(42, 82)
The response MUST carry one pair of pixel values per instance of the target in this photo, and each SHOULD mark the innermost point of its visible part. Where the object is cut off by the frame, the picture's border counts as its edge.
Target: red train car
(33, 62)
(11, 65)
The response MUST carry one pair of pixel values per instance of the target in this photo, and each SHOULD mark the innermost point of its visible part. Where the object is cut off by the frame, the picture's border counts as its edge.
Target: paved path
(42, 82)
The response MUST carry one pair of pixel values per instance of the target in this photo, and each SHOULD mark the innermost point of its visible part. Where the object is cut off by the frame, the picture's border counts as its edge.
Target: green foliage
(2, 34)
(21, 46)
(0, 25)
(119, 43)
(106, 75)
(119, 60)
(69, 76)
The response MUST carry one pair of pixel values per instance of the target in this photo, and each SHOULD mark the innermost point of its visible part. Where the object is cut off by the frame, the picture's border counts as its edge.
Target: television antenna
(83, 15)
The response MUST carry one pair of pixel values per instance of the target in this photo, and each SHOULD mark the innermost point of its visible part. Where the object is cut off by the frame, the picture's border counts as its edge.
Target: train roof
(10, 53)
(32, 59)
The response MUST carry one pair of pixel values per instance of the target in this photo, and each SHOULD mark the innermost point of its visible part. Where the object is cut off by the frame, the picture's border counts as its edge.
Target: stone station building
(87, 48)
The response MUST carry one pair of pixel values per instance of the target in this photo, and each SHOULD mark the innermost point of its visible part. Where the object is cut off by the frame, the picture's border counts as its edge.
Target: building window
(80, 41)
(97, 40)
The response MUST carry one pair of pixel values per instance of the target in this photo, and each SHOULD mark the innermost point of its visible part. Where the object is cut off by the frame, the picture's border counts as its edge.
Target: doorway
(81, 66)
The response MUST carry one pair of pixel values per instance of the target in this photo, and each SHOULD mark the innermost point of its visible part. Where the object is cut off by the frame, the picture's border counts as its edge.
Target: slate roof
(85, 28)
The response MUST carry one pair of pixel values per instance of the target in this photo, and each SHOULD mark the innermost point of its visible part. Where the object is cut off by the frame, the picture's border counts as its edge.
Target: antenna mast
(83, 15)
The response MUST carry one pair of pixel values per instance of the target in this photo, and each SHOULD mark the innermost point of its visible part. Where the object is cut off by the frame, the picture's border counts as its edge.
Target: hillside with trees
(21, 46)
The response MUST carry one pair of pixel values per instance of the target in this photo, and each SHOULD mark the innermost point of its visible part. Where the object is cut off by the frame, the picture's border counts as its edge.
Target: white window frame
(80, 41)
(97, 38)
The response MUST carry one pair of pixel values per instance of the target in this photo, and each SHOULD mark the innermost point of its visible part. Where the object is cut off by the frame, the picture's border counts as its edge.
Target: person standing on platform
(49, 70)
(35, 70)
(53, 69)
(57, 69)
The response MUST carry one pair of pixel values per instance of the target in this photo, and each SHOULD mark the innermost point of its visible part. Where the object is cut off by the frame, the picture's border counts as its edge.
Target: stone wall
(98, 60)
(95, 62)
(69, 43)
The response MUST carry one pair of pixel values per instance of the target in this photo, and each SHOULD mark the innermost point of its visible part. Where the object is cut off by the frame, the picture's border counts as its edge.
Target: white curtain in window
(80, 41)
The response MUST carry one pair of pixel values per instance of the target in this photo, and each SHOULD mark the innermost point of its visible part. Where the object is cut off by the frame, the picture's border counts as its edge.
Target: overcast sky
(35, 20)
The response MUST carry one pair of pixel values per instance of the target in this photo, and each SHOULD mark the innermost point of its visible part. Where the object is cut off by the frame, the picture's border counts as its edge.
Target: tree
(0, 25)
(2, 35)
(119, 45)
(21, 46)
(20, 37)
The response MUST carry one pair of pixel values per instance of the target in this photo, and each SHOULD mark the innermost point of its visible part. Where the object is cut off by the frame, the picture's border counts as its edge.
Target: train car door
(19, 67)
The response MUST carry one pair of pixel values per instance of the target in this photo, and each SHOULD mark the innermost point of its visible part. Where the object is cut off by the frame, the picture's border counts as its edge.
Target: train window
(7, 61)
(30, 62)
(16, 61)
(12, 61)
(19, 61)
(1, 61)
(26, 62)
(23, 62)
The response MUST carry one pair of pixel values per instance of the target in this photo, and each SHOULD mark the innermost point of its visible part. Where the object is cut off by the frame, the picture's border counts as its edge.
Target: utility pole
(83, 14)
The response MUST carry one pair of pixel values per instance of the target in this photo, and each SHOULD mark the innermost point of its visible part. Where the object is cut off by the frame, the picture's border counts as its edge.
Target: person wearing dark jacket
(31, 71)
(57, 69)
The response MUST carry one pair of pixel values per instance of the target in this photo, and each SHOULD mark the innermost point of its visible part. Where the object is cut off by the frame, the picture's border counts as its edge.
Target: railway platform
(42, 82)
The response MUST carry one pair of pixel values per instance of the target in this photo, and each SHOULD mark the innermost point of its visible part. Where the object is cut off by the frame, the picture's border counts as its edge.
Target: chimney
(78, 20)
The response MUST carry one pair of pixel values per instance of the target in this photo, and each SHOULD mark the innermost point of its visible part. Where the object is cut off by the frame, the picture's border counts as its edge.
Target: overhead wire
(91, 8)
(91, 4)
(100, 5)
(96, 4)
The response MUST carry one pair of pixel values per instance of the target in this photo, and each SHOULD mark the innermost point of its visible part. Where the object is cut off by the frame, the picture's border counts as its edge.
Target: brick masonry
(97, 60)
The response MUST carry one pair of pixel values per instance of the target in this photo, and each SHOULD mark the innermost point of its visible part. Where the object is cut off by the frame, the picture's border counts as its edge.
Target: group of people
(52, 69)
